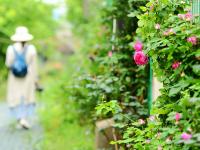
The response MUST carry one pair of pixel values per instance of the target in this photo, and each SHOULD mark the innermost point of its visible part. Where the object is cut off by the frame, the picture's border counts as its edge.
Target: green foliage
(36, 15)
(117, 77)
(116, 87)
(86, 24)
(180, 93)
(75, 10)
(108, 107)
(58, 113)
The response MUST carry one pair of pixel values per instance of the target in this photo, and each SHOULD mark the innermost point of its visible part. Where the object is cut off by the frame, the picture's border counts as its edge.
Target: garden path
(17, 139)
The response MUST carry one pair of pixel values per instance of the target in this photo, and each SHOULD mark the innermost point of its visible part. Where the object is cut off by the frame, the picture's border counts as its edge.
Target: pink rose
(157, 26)
(110, 54)
(141, 121)
(138, 46)
(178, 116)
(181, 16)
(152, 118)
(192, 39)
(140, 58)
(186, 136)
(169, 31)
(165, 33)
(175, 65)
(188, 16)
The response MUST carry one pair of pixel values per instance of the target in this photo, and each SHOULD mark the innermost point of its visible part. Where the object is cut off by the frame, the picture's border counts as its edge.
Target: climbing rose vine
(171, 38)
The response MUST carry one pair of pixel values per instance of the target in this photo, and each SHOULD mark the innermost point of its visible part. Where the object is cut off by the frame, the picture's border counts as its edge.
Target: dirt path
(17, 139)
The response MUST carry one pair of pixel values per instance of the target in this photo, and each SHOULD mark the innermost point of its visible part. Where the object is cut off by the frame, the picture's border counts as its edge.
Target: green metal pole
(150, 86)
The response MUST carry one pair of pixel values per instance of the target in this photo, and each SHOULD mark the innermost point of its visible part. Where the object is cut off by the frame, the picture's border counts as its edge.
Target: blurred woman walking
(21, 61)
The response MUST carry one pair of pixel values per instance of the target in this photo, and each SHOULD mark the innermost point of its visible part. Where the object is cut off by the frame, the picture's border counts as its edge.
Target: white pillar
(156, 87)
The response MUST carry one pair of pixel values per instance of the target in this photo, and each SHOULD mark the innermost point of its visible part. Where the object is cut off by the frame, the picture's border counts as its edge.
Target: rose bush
(115, 77)
(174, 48)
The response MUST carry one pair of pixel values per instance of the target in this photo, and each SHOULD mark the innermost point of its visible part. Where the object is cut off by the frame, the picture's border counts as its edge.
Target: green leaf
(174, 91)
(178, 87)
(196, 69)
(143, 8)
(160, 111)
(133, 14)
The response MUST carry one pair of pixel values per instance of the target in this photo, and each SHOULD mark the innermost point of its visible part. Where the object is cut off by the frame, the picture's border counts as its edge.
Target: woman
(21, 90)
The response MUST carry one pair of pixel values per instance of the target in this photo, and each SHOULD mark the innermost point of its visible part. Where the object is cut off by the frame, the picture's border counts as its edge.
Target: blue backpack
(19, 67)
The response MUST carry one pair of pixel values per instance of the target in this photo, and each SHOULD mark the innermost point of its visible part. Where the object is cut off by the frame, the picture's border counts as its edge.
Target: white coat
(22, 89)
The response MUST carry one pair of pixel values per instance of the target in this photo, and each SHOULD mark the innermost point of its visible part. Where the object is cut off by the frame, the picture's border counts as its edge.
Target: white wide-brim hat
(21, 35)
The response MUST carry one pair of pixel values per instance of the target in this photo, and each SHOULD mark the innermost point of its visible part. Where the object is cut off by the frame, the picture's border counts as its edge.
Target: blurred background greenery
(59, 28)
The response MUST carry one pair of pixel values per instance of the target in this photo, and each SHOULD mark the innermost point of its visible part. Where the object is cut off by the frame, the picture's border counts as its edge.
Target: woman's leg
(22, 112)
(30, 110)
(17, 112)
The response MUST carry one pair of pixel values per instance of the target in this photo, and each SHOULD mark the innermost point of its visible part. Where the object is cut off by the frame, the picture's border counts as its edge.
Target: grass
(69, 136)
(3, 90)
(58, 113)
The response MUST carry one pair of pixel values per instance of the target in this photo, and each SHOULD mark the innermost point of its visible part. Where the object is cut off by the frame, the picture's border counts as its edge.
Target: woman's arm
(34, 63)
(9, 57)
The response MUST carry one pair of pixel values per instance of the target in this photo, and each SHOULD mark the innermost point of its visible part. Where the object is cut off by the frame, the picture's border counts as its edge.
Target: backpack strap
(25, 50)
(15, 51)
(23, 53)
(17, 54)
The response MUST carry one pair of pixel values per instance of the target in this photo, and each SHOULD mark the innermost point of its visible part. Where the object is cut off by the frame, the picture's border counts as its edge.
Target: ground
(59, 117)
(17, 139)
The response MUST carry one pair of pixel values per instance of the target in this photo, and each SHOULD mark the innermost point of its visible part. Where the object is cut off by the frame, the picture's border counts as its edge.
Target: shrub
(171, 40)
